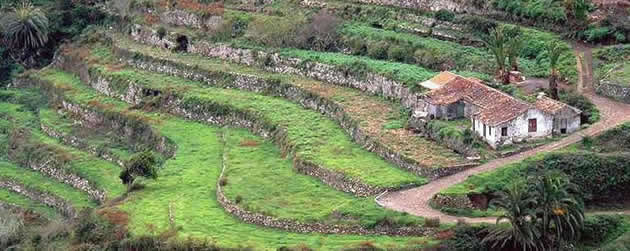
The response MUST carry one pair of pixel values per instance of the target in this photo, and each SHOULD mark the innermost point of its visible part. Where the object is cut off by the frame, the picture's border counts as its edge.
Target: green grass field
(23, 202)
(316, 137)
(187, 186)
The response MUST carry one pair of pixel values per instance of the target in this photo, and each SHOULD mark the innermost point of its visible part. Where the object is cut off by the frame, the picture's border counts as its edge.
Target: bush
(432, 222)
(398, 53)
(600, 228)
(320, 33)
(378, 50)
(467, 238)
(161, 32)
(444, 15)
(11, 228)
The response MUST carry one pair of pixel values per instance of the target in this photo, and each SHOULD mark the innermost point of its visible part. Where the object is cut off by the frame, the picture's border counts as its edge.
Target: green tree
(25, 27)
(518, 225)
(513, 46)
(496, 42)
(560, 211)
(554, 49)
(140, 165)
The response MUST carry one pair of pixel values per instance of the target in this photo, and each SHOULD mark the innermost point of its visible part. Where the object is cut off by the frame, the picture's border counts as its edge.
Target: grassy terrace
(316, 137)
(101, 139)
(187, 185)
(21, 201)
(381, 119)
(285, 194)
(102, 174)
(36, 181)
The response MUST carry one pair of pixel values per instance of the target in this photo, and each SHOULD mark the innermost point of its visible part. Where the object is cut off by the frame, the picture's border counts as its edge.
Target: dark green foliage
(600, 178)
(600, 228)
(161, 32)
(91, 228)
(140, 165)
(590, 114)
(614, 140)
(432, 222)
(537, 10)
(378, 50)
(468, 238)
(444, 15)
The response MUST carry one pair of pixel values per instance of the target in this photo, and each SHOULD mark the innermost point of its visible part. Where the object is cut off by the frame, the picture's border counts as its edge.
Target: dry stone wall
(226, 116)
(616, 91)
(371, 83)
(50, 200)
(291, 92)
(295, 226)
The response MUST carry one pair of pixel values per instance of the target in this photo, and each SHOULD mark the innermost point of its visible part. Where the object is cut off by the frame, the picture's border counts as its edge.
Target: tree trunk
(553, 86)
(506, 76)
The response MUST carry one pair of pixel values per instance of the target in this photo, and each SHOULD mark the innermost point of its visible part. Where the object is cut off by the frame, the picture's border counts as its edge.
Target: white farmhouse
(497, 117)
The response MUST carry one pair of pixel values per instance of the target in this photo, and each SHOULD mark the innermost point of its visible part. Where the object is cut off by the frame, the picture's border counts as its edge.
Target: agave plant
(25, 26)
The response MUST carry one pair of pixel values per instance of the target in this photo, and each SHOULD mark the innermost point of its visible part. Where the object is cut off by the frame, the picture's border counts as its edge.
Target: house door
(563, 126)
(533, 126)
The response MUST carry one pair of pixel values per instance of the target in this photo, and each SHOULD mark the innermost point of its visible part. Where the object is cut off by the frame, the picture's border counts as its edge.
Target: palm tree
(560, 212)
(554, 49)
(496, 42)
(518, 224)
(25, 27)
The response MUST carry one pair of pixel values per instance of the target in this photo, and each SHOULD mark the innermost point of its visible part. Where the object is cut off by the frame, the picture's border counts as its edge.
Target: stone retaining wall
(291, 92)
(76, 142)
(48, 164)
(456, 201)
(50, 200)
(273, 62)
(294, 226)
(616, 91)
(227, 116)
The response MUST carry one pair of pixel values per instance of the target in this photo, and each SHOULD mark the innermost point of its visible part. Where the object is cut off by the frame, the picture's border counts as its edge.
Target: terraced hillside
(274, 125)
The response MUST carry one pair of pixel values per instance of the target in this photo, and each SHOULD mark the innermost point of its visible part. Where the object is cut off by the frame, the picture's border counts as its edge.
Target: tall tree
(554, 49)
(518, 225)
(25, 26)
(496, 42)
(513, 46)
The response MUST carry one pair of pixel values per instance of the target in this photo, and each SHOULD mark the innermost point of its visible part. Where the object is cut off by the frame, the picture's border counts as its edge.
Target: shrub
(587, 142)
(378, 50)
(274, 31)
(432, 222)
(398, 53)
(223, 182)
(320, 33)
(600, 228)
(11, 228)
(161, 32)
(468, 238)
(444, 15)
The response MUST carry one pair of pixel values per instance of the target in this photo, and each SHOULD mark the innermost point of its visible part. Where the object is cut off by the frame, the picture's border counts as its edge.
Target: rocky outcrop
(186, 18)
(299, 227)
(460, 6)
(616, 91)
(452, 201)
(50, 200)
(291, 92)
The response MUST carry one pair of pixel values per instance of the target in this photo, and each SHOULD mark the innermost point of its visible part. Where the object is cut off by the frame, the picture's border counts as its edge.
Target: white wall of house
(517, 129)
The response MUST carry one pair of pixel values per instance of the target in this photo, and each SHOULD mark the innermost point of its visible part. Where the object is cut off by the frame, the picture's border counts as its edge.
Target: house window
(484, 130)
(489, 130)
(504, 132)
(533, 127)
(473, 122)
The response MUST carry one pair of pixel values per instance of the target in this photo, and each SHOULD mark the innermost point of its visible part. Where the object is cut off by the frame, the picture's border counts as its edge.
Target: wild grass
(37, 181)
(21, 201)
(266, 183)
(187, 185)
(383, 120)
(316, 137)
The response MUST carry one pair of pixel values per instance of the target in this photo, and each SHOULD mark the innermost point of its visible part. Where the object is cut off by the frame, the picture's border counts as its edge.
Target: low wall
(47, 163)
(80, 144)
(273, 62)
(294, 226)
(50, 200)
(217, 114)
(291, 92)
(616, 91)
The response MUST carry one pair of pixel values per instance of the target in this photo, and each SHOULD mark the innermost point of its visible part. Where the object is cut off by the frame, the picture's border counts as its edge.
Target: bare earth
(415, 201)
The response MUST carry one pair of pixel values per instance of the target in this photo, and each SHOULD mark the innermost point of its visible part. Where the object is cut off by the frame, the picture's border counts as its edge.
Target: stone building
(498, 118)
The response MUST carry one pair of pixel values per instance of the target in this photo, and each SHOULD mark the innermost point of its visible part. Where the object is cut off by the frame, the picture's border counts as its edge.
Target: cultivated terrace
(314, 125)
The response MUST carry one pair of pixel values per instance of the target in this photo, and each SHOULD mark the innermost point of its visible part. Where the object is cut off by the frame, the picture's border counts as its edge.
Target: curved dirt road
(415, 201)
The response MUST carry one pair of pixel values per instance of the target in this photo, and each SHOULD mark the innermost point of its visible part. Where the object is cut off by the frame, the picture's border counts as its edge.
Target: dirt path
(415, 201)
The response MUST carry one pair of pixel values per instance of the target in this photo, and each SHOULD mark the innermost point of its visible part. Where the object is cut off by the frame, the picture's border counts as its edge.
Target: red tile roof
(495, 106)
(551, 106)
